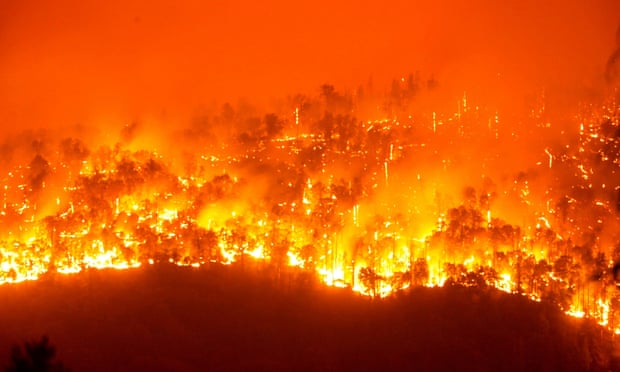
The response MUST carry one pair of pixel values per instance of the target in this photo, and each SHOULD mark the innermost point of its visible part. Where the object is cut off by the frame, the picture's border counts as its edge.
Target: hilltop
(171, 318)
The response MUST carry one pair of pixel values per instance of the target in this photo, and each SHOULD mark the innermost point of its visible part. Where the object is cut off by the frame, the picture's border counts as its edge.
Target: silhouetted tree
(370, 280)
(36, 356)
(399, 280)
(39, 168)
(273, 125)
(541, 276)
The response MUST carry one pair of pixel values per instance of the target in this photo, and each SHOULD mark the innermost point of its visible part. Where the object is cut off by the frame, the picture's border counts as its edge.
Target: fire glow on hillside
(377, 205)
(496, 166)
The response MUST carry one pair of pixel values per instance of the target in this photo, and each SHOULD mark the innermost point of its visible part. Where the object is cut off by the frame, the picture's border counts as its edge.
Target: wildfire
(376, 232)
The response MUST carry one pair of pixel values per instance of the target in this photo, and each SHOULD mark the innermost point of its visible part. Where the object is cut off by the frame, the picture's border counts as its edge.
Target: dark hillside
(169, 318)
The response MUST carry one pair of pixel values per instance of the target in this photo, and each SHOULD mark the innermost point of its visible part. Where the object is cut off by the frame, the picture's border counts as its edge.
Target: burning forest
(452, 145)
(377, 205)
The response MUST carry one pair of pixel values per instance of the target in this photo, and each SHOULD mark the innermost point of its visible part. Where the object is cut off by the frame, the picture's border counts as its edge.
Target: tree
(420, 273)
(36, 356)
(273, 125)
(39, 168)
(541, 276)
(370, 280)
(489, 274)
(528, 270)
(464, 224)
(456, 273)
(399, 280)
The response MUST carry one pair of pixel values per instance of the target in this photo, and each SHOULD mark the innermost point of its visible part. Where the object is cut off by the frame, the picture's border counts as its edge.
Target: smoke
(108, 64)
(158, 77)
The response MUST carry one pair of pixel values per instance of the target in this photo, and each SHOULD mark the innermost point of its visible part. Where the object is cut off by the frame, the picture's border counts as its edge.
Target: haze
(71, 62)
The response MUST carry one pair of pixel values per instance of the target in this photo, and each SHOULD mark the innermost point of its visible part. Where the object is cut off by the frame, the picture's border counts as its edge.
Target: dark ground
(166, 318)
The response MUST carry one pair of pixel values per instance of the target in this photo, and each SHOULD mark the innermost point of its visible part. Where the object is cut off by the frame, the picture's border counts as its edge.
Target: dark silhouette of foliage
(370, 280)
(35, 356)
(39, 168)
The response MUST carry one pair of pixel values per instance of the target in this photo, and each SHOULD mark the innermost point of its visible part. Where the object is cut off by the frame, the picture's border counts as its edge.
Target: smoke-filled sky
(64, 62)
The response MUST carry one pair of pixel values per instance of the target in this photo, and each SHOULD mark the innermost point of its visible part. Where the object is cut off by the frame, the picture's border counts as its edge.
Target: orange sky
(69, 61)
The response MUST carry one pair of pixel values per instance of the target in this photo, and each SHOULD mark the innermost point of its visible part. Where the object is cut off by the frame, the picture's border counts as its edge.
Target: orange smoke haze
(70, 62)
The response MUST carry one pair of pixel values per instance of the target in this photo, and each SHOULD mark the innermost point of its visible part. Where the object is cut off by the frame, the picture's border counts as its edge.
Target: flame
(378, 233)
